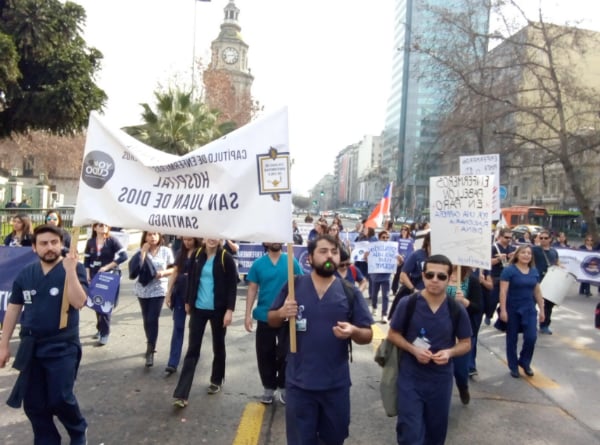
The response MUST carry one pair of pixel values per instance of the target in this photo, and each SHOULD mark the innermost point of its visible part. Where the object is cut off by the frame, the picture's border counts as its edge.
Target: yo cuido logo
(98, 168)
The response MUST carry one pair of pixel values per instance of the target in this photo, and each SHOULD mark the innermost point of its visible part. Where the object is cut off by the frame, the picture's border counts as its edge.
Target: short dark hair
(312, 245)
(382, 233)
(438, 259)
(46, 228)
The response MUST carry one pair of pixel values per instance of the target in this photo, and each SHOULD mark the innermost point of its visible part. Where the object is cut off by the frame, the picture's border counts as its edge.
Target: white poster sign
(358, 252)
(485, 165)
(461, 219)
(237, 187)
(382, 256)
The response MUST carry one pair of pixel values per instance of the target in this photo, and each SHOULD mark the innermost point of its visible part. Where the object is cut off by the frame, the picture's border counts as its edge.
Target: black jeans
(271, 348)
(198, 320)
(151, 308)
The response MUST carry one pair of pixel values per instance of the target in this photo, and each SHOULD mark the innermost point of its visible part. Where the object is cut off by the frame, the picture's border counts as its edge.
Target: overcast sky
(329, 61)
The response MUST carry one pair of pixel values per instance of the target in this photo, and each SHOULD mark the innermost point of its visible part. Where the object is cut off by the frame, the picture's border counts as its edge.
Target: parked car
(519, 230)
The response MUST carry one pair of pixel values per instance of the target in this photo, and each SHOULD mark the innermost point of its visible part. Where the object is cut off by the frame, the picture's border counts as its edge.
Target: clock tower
(227, 80)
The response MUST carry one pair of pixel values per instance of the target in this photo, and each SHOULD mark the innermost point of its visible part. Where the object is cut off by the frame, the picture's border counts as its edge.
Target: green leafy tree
(9, 68)
(302, 202)
(54, 87)
(178, 124)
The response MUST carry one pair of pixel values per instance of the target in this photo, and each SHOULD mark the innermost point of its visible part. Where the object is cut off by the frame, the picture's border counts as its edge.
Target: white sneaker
(383, 319)
(281, 395)
(374, 311)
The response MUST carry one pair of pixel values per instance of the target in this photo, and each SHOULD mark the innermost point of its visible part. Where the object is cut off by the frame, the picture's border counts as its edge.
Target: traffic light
(315, 202)
(322, 193)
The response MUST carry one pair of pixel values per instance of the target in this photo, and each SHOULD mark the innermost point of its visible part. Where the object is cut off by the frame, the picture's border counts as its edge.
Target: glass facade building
(415, 101)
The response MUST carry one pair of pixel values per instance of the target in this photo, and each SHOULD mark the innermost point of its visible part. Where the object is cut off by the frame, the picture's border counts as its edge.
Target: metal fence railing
(37, 216)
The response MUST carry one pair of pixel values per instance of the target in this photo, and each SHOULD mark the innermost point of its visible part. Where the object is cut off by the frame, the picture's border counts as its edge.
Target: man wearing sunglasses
(430, 338)
(502, 252)
(545, 256)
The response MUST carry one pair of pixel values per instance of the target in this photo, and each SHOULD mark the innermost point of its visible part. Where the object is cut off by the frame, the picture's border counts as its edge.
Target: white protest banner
(461, 219)
(237, 187)
(485, 165)
(382, 256)
(583, 264)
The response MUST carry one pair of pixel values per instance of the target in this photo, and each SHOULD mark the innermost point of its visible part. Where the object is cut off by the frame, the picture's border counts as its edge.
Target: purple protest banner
(12, 261)
(103, 292)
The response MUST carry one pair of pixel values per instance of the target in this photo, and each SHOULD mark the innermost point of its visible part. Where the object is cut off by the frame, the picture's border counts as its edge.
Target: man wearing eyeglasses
(430, 337)
(544, 257)
(502, 252)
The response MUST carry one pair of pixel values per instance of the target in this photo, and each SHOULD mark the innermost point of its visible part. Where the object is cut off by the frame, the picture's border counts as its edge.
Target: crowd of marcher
(437, 326)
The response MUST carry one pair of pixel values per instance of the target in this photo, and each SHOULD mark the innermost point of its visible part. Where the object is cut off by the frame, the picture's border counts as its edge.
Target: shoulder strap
(353, 271)
(350, 296)
(199, 250)
(410, 310)
(454, 314)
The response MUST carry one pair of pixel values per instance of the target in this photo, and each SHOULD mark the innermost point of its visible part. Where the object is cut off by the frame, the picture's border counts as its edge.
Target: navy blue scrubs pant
(423, 409)
(521, 319)
(50, 393)
(317, 417)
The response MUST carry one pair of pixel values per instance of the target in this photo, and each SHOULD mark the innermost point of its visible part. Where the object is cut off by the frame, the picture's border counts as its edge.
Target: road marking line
(248, 432)
(580, 347)
(378, 333)
(539, 380)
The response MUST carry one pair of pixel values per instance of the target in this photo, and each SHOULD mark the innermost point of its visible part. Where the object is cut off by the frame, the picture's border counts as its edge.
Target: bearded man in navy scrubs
(318, 375)
(48, 355)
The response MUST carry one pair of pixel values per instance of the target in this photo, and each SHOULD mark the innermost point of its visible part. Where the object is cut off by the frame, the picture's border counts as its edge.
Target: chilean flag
(382, 209)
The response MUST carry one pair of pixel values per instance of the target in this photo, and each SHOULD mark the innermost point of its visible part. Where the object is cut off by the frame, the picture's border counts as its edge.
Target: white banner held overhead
(237, 187)
(461, 219)
(485, 165)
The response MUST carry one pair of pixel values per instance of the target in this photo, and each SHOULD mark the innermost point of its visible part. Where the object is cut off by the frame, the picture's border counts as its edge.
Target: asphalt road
(126, 403)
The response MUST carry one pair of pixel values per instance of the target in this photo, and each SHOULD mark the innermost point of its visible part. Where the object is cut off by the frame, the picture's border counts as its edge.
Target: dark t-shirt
(521, 287)
(41, 297)
(438, 330)
(321, 359)
(544, 259)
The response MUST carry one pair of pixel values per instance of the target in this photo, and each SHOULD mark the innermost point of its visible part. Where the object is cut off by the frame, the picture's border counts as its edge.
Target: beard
(49, 257)
(325, 269)
(275, 247)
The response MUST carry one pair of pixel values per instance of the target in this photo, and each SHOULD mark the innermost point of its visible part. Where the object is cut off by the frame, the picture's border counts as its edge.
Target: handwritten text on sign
(461, 217)
(485, 165)
(382, 256)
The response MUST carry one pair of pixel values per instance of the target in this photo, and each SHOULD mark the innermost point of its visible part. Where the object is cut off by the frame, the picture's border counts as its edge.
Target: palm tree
(179, 124)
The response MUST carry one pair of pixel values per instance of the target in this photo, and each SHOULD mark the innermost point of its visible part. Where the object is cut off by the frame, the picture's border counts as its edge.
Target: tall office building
(415, 99)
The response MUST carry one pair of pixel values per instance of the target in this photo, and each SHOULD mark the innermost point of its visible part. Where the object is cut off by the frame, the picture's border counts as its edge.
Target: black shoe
(527, 370)
(465, 397)
(170, 370)
(514, 373)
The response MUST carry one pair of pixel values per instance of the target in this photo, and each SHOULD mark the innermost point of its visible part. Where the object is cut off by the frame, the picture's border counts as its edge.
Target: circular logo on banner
(98, 168)
(98, 300)
(591, 265)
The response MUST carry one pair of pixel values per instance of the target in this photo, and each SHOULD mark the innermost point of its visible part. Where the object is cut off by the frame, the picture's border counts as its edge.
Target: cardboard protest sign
(461, 218)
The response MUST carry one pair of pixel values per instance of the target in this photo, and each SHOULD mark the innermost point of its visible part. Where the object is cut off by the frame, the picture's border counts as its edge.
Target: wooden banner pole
(291, 294)
(64, 307)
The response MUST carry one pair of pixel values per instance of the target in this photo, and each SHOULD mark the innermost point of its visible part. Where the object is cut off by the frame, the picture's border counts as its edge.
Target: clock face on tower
(230, 55)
